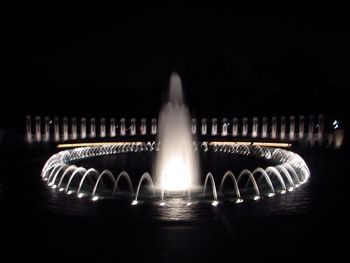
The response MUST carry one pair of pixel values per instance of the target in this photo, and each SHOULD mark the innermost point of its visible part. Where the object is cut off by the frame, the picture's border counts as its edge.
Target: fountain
(176, 167)
(288, 172)
(177, 163)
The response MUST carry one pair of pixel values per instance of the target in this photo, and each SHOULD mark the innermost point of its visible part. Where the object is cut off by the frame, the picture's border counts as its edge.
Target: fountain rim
(287, 158)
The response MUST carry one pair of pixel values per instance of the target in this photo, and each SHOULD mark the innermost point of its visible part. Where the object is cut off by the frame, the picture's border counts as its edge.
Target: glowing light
(290, 189)
(69, 192)
(283, 192)
(266, 144)
(271, 194)
(162, 203)
(239, 201)
(61, 189)
(94, 198)
(175, 176)
(273, 144)
(80, 195)
(335, 124)
(256, 197)
(54, 186)
(188, 204)
(91, 144)
(135, 202)
(215, 203)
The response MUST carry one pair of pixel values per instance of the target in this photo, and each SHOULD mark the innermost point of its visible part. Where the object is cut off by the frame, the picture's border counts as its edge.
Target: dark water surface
(308, 222)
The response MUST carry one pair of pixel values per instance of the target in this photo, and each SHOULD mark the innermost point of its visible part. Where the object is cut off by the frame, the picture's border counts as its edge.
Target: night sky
(120, 66)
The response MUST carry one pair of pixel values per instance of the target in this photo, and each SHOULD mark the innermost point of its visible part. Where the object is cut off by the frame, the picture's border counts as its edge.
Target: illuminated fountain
(288, 173)
(176, 169)
(177, 162)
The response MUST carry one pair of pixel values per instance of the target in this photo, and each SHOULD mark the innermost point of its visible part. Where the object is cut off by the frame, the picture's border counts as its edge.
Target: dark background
(119, 65)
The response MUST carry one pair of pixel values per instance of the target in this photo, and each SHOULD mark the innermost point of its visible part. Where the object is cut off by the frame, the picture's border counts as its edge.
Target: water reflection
(177, 208)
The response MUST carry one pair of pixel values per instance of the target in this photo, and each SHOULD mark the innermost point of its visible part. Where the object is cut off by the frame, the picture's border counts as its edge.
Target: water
(313, 216)
(177, 163)
(52, 201)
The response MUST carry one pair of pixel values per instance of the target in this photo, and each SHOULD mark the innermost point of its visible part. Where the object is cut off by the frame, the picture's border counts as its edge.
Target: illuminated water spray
(177, 162)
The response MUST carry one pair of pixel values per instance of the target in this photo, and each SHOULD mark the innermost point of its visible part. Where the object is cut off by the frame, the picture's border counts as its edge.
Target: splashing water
(177, 162)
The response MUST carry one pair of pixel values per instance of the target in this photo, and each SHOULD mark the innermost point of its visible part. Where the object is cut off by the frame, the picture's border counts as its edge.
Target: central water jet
(176, 162)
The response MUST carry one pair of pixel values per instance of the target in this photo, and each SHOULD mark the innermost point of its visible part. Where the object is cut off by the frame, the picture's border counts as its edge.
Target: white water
(177, 162)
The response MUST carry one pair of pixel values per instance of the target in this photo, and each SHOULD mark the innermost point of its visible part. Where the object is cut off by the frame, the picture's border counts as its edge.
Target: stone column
(122, 127)
(291, 127)
(143, 126)
(204, 126)
(255, 125)
(264, 127)
(56, 129)
(283, 128)
(102, 127)
(301, 126)
(112, 127)
(154, 126)
(274, 127)
(234, 127)
(245, 127)
(74, 128)
(65, 128)
(214, 126)
(29, 136)
(194, 126)
(224, 127)
(38, 128)
(133, 127)
(92, 128)
(83, 128)
(47, 129)
(320, 128)
(311, 129)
